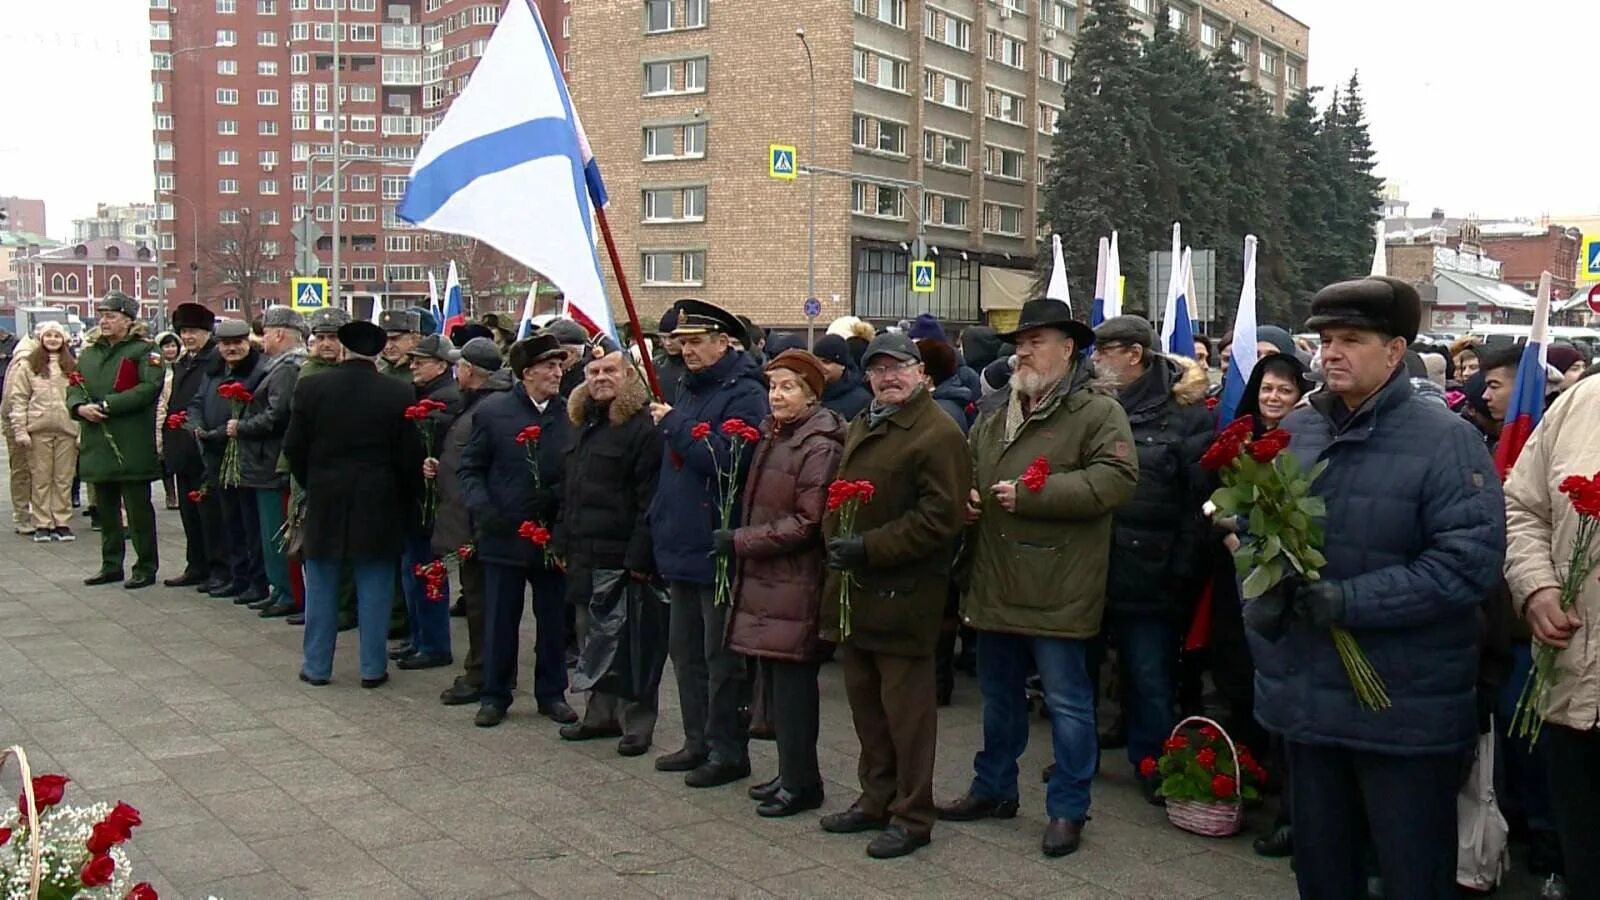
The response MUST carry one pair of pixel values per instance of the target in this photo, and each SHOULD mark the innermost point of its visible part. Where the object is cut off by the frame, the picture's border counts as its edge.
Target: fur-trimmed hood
(631, 397)
(1192, 382)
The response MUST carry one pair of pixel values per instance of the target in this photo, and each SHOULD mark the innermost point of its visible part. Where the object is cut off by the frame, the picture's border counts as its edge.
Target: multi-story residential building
(15, 249)
(23, 214)
(133, 222)
(956, 99)
(245, 111)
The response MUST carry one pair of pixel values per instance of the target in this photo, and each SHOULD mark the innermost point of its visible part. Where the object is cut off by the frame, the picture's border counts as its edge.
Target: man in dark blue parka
(722, 383)
(1415, 535)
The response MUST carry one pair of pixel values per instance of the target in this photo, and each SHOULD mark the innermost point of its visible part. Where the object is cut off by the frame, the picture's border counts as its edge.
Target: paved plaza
(255, 786)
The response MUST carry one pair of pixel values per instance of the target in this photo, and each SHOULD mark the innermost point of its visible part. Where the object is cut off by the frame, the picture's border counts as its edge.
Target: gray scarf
(878, 413)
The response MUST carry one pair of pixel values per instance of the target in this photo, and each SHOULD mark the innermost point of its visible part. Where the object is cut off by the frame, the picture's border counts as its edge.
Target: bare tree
(485, 273)
(238, 255)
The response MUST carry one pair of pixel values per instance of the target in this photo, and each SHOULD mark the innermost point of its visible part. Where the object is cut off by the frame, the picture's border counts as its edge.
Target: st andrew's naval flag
(509, 165)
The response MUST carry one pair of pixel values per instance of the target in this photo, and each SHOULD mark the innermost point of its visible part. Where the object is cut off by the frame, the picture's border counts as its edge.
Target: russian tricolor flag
(1244, 339)
(1527, 401)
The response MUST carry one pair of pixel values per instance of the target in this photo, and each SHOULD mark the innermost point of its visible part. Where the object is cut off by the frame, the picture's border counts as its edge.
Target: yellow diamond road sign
(308, 294)
(922, 277)
(780, 162)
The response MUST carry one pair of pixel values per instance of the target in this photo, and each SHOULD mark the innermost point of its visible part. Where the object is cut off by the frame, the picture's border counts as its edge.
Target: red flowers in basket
(1204, 770)
(177, 420)
(82, 845)
(1034, 476)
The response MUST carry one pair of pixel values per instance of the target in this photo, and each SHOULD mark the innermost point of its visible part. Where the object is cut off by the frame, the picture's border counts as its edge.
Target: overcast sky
(1476, 106)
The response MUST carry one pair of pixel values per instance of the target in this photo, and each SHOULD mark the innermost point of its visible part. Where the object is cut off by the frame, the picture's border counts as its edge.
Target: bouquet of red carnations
(846, 498)
(728, 484)
(1584, 495)
(421, 414)
(1265, 486)
(238, 398)
(539, 536)
(434, 574)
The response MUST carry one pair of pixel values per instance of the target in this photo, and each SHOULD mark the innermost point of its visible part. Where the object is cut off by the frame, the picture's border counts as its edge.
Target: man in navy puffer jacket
(722, 383)
(1415, 535)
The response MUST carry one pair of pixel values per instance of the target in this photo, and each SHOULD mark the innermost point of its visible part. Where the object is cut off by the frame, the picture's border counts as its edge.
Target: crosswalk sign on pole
(922, 276)
(1591, 257)
(308, 294)
(780, 162)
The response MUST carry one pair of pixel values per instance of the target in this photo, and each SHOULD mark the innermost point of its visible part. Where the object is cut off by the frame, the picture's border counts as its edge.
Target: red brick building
(75, 276)
(244, 106)
(23, 214)
(1524, 251)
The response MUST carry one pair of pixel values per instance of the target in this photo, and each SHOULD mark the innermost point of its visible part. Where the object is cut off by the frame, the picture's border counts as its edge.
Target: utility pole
(335, 282)
(811, 213)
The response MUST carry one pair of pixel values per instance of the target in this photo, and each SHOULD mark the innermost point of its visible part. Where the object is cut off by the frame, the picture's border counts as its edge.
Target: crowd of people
(1023, 505)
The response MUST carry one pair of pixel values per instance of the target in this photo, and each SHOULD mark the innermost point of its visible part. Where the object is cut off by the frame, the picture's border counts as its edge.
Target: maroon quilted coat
(777, 587)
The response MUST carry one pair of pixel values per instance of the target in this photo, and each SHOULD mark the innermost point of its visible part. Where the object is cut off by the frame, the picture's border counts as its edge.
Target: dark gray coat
(452, 523)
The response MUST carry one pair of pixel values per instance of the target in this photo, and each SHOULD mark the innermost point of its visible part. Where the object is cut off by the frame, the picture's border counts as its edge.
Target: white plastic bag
(1481, 855)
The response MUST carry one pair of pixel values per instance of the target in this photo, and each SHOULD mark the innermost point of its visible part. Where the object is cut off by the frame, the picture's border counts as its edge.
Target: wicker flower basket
(1218, 819)
(35, 849)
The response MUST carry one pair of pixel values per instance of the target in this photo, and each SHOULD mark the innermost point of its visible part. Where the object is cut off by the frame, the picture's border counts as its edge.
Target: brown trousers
(53, 460)
(892, 699)
(21, 483)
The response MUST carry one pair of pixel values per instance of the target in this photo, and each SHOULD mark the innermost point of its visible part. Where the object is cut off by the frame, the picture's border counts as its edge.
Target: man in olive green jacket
(898, 563)
(1051, 459)
(122, 375)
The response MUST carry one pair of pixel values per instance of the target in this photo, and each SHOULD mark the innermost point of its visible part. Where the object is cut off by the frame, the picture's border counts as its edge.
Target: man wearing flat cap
(898, 562)
(481, 374)
(361, 466)
(575, 343)
(239, 362)
(1415, 537)
(428, 643)
(122, 377)
(722, 383)
(206, 561)
(1035, 562)
(503, 491)
(403, 328)
(260, 430)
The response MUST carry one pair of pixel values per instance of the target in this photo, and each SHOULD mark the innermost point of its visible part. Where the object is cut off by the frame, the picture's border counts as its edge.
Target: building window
(694, 204)
(114, 283)
(694, 267)
(160, 31)
(299, 64)
(227, 67)
(944, 210)
(1241, 48)
(269, 217)
(230, 304)
(1003, 106)
(267, 187)
(1177, 19)
(163, 121)
(1004, 162)
(658, 268)
(876, 201)
(58, 284)
(227, 126)
(891, 138)
(694, 13)
(657, 16)
(166, 181)
(1269, 64)
(658, 205)
(1291, 74)
(1143, 6)
(694, 140)
(1007, 50)
(363, 93)
(1002, 219)
(694, 75)
(227, 157)
(267, 98)
(1054, 67)
(394, 187)
(72, 284)
(266, 7)
(227, 97)
(227, 7)
(363, 33)
(227, 37)
(1048, 117)
(267, 69)
(891, 12)
(164, 150)
(1062, 17)
(397, 243)
(228, 217)
(266, 128)
(1209, 36)
(946, 90)
(658, 78)
(161, 62)
(228, 186)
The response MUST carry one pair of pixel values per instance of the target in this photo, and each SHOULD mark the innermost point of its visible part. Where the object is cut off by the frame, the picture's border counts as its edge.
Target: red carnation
(98, 871)
(751, 434)
(177, 420)
(865, 490)
(1224, 787)
(840, 492)
(533, 531)
(1034, 476)
(971, 408)
(1148, 767)
(1587, 501)
(1212, 403)
(1207, 759)
(1174, 744)
(465, 551)
(700, 431)
(1265, 448)
(1210, 732)
(433, 405)
(196, 496)
(75, 379)
(732, 427)
(1574, 484)
(143, 891)
(530, 434)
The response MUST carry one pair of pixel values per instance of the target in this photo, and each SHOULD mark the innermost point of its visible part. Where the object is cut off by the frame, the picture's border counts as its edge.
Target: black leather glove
(1321, 603)
(722, 542)
(847, 553)
(542, 505)
(1268, 615)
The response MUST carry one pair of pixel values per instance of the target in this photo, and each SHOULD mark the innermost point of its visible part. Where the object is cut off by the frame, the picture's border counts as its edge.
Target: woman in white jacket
(37, 392)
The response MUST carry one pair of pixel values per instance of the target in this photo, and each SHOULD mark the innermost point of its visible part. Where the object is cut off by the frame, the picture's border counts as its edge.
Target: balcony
(402, 71)
(402, 37)
(393, 125)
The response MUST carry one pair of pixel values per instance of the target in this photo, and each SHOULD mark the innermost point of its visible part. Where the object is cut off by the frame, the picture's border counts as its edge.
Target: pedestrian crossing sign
(922, 276)
(1591, 258)
(780, 161)
(308, 294)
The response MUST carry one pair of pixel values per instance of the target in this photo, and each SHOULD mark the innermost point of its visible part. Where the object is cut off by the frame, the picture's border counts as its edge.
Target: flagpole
(627, 300)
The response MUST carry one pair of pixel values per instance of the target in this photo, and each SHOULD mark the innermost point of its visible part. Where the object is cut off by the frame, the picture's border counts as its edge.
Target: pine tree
(1098, 170)
(1362, 191)
(1188, 139)
(1308, 202)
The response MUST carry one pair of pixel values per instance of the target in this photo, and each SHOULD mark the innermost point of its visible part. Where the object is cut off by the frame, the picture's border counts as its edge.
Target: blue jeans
(429, 620)
(503, 588)
(1002, 675)
(374, 580)
(1146, 646)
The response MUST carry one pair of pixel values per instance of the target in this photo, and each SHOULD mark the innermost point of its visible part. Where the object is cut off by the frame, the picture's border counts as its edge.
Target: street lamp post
(337, 281)
(811, 213)
(194, 261)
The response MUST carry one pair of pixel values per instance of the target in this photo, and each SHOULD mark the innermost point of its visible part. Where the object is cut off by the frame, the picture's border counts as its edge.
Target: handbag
(1481, 831)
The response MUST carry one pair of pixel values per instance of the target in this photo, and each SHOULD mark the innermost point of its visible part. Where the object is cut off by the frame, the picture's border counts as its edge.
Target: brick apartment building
(682, 98)
(23, 214)
(74, 276)
(243, 100)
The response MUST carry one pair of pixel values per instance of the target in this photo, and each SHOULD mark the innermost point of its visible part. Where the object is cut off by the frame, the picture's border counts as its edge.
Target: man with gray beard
(1051, 459)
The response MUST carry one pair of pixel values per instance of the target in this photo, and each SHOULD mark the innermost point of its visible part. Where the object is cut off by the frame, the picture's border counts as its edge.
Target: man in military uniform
(404, 328)
(326, 352)
(116, 400)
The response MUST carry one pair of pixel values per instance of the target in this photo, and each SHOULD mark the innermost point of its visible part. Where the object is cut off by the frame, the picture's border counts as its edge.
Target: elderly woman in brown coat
(777, 590)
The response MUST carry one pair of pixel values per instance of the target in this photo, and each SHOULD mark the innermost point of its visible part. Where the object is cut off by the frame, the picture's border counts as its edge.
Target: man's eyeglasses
(880, 371)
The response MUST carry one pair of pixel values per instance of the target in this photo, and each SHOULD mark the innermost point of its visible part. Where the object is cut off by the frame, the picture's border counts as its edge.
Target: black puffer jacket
(496, 480)
(611, 473)
(265, 420)
(209, 413)
(181, 452)
(1156, 537)
(848, 396)
(452, 524)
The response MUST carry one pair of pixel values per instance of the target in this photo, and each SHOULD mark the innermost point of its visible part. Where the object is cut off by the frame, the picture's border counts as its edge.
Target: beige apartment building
(957, 99)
